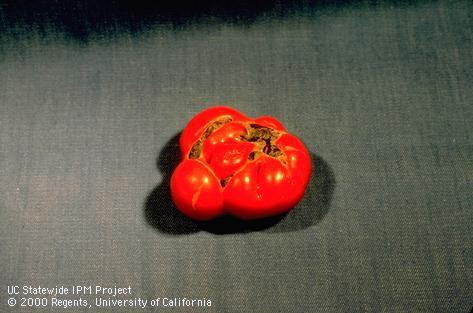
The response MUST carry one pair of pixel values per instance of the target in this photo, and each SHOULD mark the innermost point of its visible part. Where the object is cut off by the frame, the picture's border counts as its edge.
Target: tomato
(233, 164)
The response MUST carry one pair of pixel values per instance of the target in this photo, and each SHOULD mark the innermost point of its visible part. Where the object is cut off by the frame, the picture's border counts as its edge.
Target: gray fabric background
(382, 94)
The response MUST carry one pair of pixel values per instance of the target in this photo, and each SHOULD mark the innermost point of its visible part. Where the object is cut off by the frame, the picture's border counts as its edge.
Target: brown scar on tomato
(196, 149)
(264, 139)
(224, 182)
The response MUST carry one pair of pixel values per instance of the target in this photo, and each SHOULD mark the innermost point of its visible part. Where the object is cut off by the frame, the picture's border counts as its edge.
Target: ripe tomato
(233, 164)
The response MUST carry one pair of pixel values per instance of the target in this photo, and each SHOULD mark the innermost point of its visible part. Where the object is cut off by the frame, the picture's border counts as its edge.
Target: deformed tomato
(233, 164)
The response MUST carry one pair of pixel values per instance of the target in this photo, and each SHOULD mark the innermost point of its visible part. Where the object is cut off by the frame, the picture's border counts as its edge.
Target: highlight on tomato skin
(232, 164)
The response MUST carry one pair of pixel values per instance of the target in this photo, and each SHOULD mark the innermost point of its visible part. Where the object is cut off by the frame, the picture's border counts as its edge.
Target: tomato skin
(227, 158)
(196, 191)
(260, 190)
(227, 169)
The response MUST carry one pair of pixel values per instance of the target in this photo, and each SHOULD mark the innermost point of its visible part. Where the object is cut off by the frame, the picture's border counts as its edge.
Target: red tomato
(233, 164)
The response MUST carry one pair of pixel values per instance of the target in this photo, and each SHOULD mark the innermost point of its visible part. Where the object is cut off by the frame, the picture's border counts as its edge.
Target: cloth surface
(380, 93)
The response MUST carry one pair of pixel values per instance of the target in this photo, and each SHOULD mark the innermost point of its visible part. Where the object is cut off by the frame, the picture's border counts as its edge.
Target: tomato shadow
(161, 214)
(159, 210)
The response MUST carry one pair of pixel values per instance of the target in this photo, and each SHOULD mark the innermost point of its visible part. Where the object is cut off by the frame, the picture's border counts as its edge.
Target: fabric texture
(381, 94)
